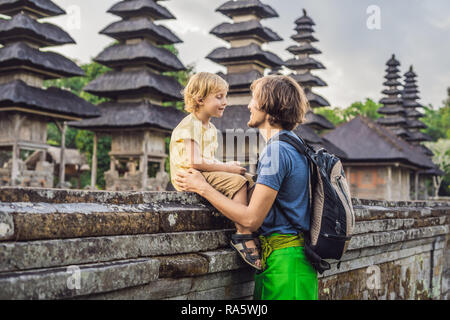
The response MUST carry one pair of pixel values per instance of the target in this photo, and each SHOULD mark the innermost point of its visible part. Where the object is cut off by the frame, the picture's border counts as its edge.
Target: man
(278, 207)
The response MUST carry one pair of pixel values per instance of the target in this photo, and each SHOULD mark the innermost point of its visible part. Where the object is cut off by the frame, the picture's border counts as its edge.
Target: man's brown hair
(282, 98)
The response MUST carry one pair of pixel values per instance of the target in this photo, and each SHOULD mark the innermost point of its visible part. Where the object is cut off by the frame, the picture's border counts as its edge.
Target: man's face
(257, 116)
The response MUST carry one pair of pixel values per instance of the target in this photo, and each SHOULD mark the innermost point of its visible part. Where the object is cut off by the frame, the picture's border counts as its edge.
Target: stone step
(383, 238)
(61, 283)
(92, 279)
(39, 221)
(365, 213)
(27, 255)
(180, 287)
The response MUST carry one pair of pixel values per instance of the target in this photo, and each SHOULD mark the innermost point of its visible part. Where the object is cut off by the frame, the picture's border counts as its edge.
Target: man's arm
(251, 216)
(197, 162)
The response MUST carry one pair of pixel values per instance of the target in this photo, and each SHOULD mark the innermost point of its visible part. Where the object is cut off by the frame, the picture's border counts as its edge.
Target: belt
(279, 241)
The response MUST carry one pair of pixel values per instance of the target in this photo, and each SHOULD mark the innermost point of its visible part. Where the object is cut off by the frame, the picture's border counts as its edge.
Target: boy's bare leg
(241, 197)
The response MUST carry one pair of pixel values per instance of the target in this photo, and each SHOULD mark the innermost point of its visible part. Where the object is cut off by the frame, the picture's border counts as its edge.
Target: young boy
(193, 145)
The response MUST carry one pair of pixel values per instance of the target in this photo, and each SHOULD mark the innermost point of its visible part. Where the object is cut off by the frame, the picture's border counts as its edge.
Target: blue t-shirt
(282, 168)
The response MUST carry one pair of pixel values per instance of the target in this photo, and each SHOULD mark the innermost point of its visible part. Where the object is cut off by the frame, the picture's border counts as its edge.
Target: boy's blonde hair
(200, 86)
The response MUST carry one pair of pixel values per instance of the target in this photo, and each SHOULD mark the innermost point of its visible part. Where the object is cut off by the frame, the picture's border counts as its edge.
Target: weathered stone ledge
(36, 195)
(236, 284)
(61, 283)
(27, 221)
(172, 245)
(40, 221)
(51, 253)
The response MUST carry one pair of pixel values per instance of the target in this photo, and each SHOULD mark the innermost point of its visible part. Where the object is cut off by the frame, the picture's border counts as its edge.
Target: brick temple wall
(66, 244)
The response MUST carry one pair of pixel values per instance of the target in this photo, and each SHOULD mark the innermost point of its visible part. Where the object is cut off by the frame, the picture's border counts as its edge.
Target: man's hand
(191, 181)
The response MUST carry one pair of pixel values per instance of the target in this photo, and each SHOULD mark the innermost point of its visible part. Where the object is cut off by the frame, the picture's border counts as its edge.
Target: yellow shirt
(190, 128)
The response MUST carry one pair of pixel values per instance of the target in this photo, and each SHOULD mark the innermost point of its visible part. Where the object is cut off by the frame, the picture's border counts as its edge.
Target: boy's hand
(236, 169)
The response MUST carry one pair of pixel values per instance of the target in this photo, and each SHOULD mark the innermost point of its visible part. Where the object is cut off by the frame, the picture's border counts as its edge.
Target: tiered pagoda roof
(394, 114)
(136, 85)
(245, 59)
(410, 104)
(302, 63)
(23, 67)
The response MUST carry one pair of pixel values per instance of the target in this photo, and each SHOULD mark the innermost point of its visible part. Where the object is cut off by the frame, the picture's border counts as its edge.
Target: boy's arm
(199, 163)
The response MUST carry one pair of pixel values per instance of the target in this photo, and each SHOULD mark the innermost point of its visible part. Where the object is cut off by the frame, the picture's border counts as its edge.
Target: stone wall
(65, 244)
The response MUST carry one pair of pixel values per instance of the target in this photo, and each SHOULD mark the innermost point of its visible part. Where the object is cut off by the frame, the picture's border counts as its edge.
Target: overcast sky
(417, 31)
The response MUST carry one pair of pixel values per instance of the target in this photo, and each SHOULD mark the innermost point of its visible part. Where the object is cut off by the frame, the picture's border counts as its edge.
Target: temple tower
(302, 63)
(394, 116)
(246, 61)
(410, 104)
(25, 106)
(137, 87)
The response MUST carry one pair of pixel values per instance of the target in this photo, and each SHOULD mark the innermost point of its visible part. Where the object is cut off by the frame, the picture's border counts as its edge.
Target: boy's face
(214, 104)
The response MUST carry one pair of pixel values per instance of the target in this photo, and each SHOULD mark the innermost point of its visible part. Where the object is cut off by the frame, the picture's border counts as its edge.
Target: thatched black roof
(241, 80)
(234, 117)
(305, 19)
(392, 83)
(413, 113)
(391, 101)
(419, 136)
(392, 121)
(394, 109)
(52, 100)
(414, 123)
(304, 63)
(142, 53)
(22, 27)
(393, 62)
(245, 7)
(365, 141)
(302, 37)
(123, 83)
(140, 27)
(132, 115)
(317, 120)
(253, 28)
(308, 80)
(315, 100)
(306, 48)
(411, 104)
(304, 28)
(39, 8)
(250, 52)
(391, 92)
(50, 65)
(425, 150)
(134, 8)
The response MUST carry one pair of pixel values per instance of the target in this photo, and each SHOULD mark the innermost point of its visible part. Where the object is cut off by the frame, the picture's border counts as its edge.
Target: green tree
(338, 115)
(438, 121)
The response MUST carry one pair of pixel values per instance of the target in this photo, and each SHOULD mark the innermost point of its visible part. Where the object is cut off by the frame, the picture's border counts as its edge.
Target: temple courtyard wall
(67, 244)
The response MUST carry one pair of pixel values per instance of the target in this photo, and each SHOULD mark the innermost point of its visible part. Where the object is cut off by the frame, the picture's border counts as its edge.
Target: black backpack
(332, 215)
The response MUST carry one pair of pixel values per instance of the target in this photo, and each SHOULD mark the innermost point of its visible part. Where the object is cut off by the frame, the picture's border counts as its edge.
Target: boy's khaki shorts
(228, 183)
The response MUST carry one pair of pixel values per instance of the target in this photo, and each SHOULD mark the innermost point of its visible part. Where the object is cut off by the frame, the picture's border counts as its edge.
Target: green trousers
(287, 275)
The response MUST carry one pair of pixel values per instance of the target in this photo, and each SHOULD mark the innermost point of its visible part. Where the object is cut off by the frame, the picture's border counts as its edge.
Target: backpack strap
(302, 149)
